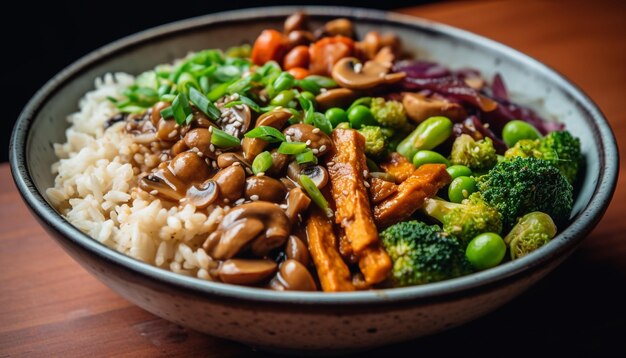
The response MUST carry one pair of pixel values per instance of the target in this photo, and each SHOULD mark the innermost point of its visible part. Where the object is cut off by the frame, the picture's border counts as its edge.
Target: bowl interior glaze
(43, 123)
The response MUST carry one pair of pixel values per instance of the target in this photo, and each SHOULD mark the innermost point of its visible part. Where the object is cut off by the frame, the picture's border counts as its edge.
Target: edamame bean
(428, 135)
(516, 130)
(336, 115)
(282, 98)
(461, 188)
(361, 116)
(429, 157)
(485, 250)
(456, 171)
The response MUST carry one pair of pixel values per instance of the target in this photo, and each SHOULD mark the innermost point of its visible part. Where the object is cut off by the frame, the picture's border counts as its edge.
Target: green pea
(282, 98)
(308, 95)
(429, 157)
(485, 250)
(336, 115)
(428, 135)
(361, 116)
(517, 130)
(456, 171)
(461, 188)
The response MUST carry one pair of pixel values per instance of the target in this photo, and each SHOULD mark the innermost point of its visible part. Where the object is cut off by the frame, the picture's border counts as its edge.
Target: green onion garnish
(325, 82)
(308, 85)
(221, 139)
(291, 148)
(185, 81)
(203, 104)
(313, 191)
(181, 108)
(306, 157)
(269, 134)
(262, 162)
(284, 81)
(167, 112)
(167, 97)
(321, 122)
(309, 110)
(244, 100)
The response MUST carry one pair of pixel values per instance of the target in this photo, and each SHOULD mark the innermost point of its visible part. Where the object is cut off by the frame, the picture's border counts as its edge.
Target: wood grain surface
(50, 307)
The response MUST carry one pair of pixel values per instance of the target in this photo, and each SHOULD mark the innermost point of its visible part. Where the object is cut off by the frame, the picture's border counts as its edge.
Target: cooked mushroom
(318, 141)
(164, 184)
(336, 97)
(246, 272)
(231, 182)
(297, 21)
(277, 119)
(348, 72)
(265, 188)
(178, 148)
(167, 130)
(236, 120)
(419, 108)
(261, 223)
(200, 138)
(203, 195)
(189, 168)
(155, 113)
(300, 37)
(225, 160)
(297, 250)
(293, 276)
(373, 42)
(341, 26)
(279, 162)
(297, 202)
(318, 175)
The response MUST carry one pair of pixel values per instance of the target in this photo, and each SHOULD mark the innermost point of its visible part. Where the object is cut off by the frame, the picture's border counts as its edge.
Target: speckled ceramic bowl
(298, 321)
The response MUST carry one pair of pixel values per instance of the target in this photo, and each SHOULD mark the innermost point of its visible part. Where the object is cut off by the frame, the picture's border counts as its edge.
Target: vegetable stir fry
(344, 164)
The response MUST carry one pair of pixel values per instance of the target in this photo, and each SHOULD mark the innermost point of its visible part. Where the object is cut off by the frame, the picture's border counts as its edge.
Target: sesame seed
(260, 174)
(344, 192)
(249, 171)
(212, 148)
(486, 125)
(240, 201)
(365, 173)
(200, 154)
(236, 163)
(330, 164)
(226, 200)
(210, 129)
(154, 192)
(235, 96)
(172, 134)
(226, 208)
(315, 130)
(367, 185)
(308, 142)
(214, 164)
(239, 107)
(254, 197)
(237, 124)
(182, 200)
(218, 152)
(315, 151)
(322, 148)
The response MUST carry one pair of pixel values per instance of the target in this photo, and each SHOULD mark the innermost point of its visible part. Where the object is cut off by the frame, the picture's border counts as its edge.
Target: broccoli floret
(374, 140)
(389, 113)
(477, 155)
(466, 220)
(560, 148)
(530, 233)
(521, 185)
(423, 253)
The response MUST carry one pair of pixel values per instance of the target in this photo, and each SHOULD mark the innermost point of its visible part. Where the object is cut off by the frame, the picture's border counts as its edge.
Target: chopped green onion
(322, 81)
(205, 84)
(189, 118)
(308, 85)
(284, 81)
(313, 191)
(244, 100)
(269, 134)
(203, 104)
(244, 84)
(306, 157)
(291, 148)
(218, 91)
(309, 110)
(262, 162)
(321, 122)
(163, 90)
(181, 108)
(112, 99)
(167, 97)
(221, 139)
(185, 81)
(371, 165)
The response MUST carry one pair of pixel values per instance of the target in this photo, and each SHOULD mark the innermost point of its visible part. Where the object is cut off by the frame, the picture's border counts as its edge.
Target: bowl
(312, 322)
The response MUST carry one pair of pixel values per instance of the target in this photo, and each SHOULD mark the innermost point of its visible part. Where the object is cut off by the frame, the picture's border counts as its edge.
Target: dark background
(42, 39)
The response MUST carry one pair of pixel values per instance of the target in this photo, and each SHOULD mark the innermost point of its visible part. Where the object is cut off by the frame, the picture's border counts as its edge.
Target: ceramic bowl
(301, 321)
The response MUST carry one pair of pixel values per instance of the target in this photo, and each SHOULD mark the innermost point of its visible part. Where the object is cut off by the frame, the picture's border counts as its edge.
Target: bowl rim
(562, 244)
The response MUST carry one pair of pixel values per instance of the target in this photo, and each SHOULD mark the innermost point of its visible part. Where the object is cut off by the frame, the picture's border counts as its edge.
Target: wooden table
(49, 306)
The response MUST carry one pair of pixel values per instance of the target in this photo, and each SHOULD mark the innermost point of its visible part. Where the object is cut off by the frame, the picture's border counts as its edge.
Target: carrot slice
(299, 73)
(327, 51)
(422, 184)
(332, 271)
(271, 45)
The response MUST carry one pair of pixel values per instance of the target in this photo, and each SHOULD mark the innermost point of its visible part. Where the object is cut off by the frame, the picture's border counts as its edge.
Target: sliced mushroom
(419, 108)
(341, 27)
(277, 119)
(295, 277)
(224, 244)
(318, 175)
(315, 139)
(236, 120)
(336, 97)
(296, 21)
(373, 42)
(246, 272)
(297, 250)
(178, 148)
(348, 73)
(241, 226)
(200, 138)
(288, 183)
(203, 195)
(163, 185)
(265, 188)
(279, 162)
(189, 168)
(231, 182)
(225, 160)
(297, 202)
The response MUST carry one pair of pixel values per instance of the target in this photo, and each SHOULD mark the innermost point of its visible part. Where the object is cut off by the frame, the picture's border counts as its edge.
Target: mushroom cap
(347, 74)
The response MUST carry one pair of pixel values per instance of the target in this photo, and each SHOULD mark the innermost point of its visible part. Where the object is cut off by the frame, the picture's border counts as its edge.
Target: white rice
(95, 190)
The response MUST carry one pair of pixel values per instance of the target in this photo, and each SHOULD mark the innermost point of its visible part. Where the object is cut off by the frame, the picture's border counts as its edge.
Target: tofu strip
(423, 183)
(353, 211)
(332, 271)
